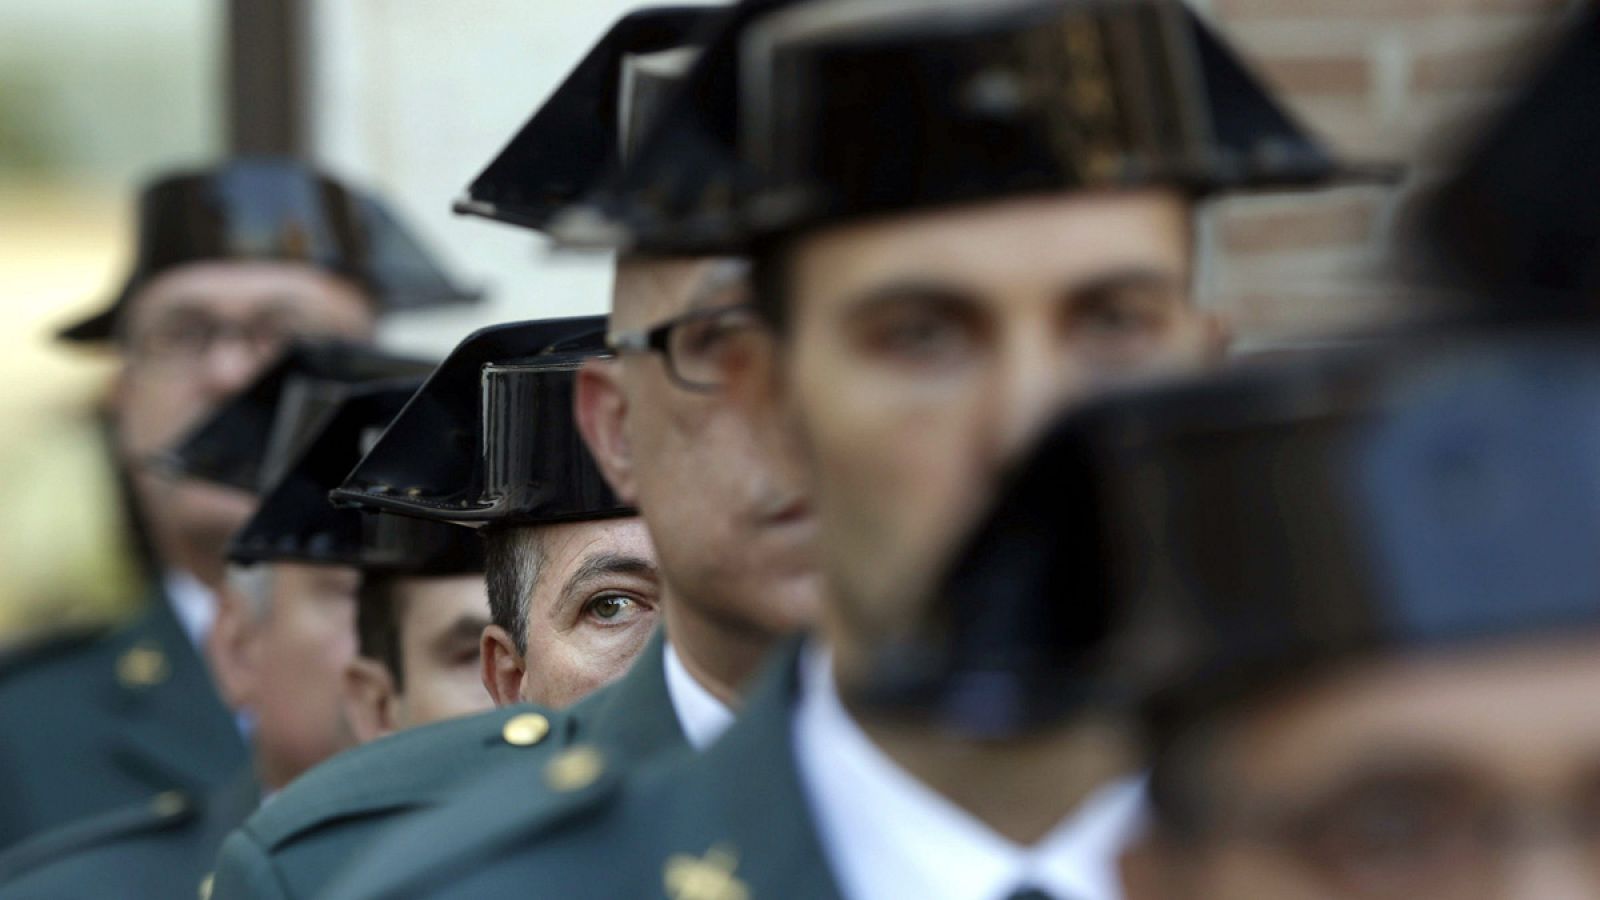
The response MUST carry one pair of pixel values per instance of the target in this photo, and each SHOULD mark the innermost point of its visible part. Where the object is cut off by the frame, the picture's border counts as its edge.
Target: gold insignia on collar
(575, 769)
(168, 804)
(143, 666)
(205, 886)
(707, 878)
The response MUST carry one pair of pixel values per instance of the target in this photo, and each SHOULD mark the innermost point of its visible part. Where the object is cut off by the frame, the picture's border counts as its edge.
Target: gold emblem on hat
(575, 769)
(707, 878)
(143, 666)
(525, 730)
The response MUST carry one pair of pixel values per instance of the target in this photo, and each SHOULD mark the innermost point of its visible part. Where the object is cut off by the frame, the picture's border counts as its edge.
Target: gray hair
(514, 558)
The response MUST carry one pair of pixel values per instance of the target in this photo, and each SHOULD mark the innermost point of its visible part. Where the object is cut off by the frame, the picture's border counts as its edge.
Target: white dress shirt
(888, 835)
(194, 604)
(701, 715)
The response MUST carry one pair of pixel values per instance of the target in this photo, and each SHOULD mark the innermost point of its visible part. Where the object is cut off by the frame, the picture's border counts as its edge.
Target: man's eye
(615, 609)
(924, 340)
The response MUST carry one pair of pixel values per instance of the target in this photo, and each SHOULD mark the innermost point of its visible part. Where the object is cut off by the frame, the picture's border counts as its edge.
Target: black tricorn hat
(1213, 535)
(579, 134)
(268, 422)
(491, 436)
(279, 210)
(296, 523)
(801, 114)
(1519, 223)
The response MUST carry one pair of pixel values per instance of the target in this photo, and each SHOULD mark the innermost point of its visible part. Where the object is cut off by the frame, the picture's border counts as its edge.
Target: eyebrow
(911, 289)
(466, 627)
(1139, 276)
(596, 567)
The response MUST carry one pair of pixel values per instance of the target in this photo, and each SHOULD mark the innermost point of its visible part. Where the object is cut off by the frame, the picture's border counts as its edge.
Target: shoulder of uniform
(405, 770)
(166, 811)
(516, 804)
(19, 658)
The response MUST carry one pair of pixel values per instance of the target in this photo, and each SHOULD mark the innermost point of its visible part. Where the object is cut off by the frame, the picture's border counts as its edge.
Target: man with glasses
(680, 424)
(231, 261)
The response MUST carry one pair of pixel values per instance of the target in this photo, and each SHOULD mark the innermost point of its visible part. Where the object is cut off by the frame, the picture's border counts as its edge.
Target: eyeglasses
(185, 340)
(702, 349)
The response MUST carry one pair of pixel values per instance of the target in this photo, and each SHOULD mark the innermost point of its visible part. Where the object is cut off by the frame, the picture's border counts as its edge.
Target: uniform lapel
(171, 729)
(752, 777)
(635, 715)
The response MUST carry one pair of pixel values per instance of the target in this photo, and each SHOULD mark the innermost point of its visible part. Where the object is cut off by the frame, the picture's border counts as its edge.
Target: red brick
(1389, 10)
(1317, 75)
(1320, 224)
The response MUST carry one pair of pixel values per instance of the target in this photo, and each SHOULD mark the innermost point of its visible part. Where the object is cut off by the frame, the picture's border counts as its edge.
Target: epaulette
(571, 787)
(163, 812)
(411, 768)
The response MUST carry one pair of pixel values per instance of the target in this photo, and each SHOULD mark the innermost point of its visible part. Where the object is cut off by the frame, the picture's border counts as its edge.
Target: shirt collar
(193, 603)
(888, 834)
(701, 715)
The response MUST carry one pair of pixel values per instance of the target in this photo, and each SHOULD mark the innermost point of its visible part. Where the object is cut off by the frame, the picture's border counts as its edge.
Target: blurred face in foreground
(1467, 776)
(923, 352)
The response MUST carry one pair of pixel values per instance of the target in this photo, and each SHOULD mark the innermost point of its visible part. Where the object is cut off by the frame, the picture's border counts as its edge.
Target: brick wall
(1401, 80)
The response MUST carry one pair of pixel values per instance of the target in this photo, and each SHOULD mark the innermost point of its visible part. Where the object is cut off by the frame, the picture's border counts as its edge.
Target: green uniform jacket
(90, 724)
(300, 840)
(731, 823)
(159, 849)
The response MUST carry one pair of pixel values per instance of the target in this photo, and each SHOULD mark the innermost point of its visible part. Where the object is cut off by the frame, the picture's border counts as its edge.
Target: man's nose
(1039, 380)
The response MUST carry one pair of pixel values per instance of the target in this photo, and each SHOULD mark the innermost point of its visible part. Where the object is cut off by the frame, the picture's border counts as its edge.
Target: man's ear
(503, 666)
(232, 648)
(371, 703)
(602, 411)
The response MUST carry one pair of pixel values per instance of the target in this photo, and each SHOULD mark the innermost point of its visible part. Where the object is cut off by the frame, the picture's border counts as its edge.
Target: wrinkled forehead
(651, 289)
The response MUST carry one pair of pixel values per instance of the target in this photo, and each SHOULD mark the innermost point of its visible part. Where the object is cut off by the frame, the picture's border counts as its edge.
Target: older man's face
(1447, 777)
(594, 605)
(923, 352)
(194, 336)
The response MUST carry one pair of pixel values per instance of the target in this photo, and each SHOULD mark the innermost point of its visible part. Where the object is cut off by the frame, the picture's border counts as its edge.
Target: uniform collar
(888, 834)
(701, 715)
(192, 602)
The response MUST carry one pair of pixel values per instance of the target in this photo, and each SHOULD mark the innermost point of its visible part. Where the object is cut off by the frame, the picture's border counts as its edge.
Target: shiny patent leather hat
(276, 210)
(799, 115)
(296, 523)
(491, 437)
(582, 132)
(1518, 224)
(268, 422)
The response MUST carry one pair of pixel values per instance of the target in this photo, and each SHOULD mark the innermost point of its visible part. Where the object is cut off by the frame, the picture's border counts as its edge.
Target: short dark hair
(378, 614)
(514, 557)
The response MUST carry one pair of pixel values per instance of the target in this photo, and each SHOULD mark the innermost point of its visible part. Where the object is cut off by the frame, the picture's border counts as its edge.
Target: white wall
(414, 97)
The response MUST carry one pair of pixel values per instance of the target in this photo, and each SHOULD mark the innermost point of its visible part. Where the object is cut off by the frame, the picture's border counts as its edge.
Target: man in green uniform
(963, 218)
(299, 561)
(711, 468)
(231, 261)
